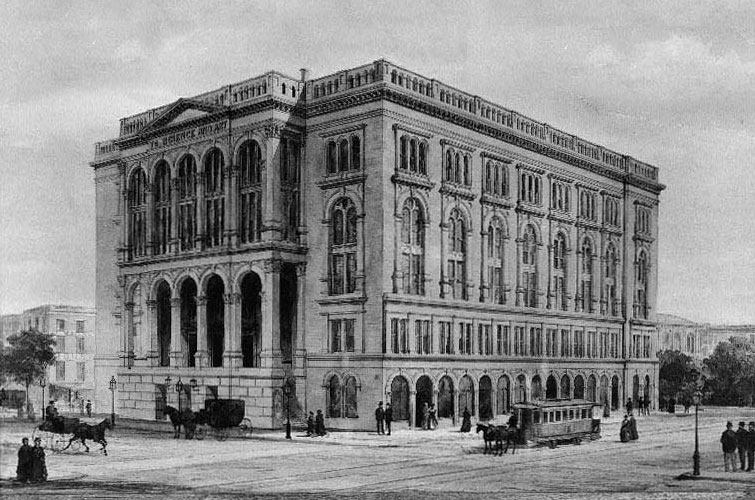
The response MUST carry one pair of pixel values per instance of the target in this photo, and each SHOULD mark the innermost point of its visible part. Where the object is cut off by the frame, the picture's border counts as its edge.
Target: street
(409, 464)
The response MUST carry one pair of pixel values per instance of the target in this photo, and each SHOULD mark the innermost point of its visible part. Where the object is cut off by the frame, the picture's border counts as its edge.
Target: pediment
(183, 110)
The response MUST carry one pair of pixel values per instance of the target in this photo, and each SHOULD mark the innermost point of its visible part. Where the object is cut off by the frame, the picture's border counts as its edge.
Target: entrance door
(615, 403)
(445, 397)
(424, 397)
(400, 398)
(486, 405)
(466, 394)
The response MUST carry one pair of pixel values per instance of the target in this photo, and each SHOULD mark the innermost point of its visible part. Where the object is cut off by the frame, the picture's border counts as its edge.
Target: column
(150, 219)
(271, 223)
(396, 216)
(201, 227)
(519, 290)
(300, 349)
(174, 244)
(412, 407)
(270, 334)
(201, 357)
(443, 243)
(549, 289)
(153, 349)
(176, 349)
(231, 203)
(129, 339)
(232, 319)
(484, 285)
(123, 212)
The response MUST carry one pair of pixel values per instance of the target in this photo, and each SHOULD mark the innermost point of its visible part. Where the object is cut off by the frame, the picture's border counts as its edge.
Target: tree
(26, 357)
(675, 373)
(732, 372)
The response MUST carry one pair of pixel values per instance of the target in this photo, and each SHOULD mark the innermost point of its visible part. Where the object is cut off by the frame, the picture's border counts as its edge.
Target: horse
(94, 433)
(495, 435)
(185, 418)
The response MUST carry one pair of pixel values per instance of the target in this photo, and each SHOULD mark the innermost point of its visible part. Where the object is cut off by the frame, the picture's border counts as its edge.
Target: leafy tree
(732, 372)
(675, 373)
(27, 355)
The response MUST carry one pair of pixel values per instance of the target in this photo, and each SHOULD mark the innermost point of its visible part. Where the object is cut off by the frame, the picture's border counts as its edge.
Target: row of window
(498, 340)
(61, 325)
(60, 371)
(60, 345)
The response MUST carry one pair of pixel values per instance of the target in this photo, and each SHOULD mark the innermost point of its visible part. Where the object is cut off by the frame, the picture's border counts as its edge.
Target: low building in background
(698, 340)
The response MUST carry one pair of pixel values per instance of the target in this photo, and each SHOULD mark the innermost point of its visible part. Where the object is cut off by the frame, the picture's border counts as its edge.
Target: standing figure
(23, 469)
(320, 424)
(379, 417)
(89, 408)
(388, 418)
(742, 440)
(425, 416)
(641, 406)
(311, 424)
(729, 447)
(38, 465)
(466, 422)
(633, 428)
(647, 406)
(750, 446)
(625, 433)
(630, 406)
(433, 416)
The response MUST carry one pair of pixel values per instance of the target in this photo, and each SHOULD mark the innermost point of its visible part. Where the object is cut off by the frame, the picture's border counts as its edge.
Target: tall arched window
(187, 203)
(449, 166)
(559, 272)
(423, 158)
(356, 153)
(162, 216)
(413, 247)
(404, 152)
(332, 157)
(333, 404)
(137, 208)
(610, 285)
(343, 247)
(413, 155)
(457, 255)
(495, 261)
(214, 192)
(586, 285)
(458, 174)
(642, 283)
(250, 191)
(529, 267)
(343, 156)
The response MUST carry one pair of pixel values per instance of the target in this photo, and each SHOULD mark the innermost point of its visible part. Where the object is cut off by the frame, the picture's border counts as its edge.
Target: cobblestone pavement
(409, 464)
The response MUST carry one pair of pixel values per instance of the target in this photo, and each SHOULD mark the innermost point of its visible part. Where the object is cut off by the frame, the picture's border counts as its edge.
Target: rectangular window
(565, 344)
(446, 334)
(80, 345)
(60, 370)
(60, 344)
(61, 325)
(579, 344)
(80, 326)
(422, 339)
(536, 342)
(551, 342)
(394, 336)
(80, 371)
(348, 335)
(335, 335)
(519, 341)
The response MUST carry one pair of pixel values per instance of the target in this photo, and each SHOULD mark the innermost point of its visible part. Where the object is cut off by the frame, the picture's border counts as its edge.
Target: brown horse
(185, 418)
(94, 433)
(495, 435)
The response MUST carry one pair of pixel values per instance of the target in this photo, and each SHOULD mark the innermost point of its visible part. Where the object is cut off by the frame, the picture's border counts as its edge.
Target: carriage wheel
(246, 427)
(75, 445)
(199, 433)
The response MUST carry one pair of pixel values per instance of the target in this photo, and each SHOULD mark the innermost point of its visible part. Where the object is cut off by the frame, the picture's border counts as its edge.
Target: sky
(669, 83)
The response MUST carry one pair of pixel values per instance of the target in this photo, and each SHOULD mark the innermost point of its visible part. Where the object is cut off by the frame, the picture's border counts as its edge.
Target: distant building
(72, 374)
(721, 333)
(680, 334)
(370, 235)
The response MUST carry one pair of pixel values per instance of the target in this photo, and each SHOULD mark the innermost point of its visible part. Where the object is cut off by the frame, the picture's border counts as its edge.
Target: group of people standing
(742, 441)
(643, 406)
(429, 417)
(628, 431)
(316, 424)
(31, 462)
(384, 418)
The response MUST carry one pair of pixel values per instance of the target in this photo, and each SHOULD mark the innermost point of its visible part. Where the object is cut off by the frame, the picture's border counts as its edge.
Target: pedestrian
(634, 436)
(672, 405)
(23, 469)
(743, 436)
(388, 418)
(729, 447)
(625, 433)
(630, 406)
(640, 407)
(380, 417)
(320, 424)
(425, 416)
(647, 405)
(89, 409)
(38, 465)
(750, 446)
(433, 416)
(466, 422)
(311, 424)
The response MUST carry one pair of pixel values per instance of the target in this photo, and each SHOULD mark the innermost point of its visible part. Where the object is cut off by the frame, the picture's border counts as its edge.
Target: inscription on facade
(189, 134)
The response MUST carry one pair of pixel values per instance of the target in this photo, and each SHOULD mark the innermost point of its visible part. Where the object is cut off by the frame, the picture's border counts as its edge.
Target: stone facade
(369, 235)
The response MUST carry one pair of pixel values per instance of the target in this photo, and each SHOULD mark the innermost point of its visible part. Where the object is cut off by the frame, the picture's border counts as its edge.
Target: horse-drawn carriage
(219, 417)
(62, 433)
(553, 422)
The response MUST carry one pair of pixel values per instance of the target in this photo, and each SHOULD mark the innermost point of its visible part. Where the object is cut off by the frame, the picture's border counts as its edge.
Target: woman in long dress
(625, 432)
(466, 422)
(38, 465)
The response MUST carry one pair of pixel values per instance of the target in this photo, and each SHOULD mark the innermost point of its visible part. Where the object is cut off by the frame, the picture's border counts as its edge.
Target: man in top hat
(380, 417)
(729, 447)
(742, 439)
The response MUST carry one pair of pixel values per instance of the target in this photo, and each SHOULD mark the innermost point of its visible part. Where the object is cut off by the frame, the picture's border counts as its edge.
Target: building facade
(680, 334)
(370, 235)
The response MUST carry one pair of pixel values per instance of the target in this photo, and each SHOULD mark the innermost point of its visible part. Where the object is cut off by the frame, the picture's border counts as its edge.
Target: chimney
(304, 74)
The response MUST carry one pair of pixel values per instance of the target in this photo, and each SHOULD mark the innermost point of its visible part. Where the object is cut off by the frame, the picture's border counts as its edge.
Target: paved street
(409, 464)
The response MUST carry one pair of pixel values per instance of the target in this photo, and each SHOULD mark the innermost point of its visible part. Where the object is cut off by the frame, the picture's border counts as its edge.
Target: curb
(688, 476)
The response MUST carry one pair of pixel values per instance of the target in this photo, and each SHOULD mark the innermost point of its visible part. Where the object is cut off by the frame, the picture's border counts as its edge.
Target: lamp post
(42, 384)
(113, 386)
(696, 456)
(179, 388)
(287, 393)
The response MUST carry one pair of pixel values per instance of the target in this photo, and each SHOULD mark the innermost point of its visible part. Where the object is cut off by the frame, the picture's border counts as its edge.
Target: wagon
(553, 422)
(220, 416)
(56, 434)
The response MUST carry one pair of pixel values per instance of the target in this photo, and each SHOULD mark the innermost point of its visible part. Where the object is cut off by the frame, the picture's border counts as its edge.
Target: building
(369, 235)
(71, 377)
(680, 334)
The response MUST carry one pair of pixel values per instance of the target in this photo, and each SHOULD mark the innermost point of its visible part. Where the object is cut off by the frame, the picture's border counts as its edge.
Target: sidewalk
(720, 476)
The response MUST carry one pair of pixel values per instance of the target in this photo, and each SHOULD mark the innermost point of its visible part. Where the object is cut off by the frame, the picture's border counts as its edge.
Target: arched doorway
(288, 302)
(188, 322)
(215, 320)
(445, 397)
(537, 388)
(486, 394)
(565, 387)
(334, 397)
(615, 400)
(400, 398)
(466, 394)
(551, 388)
(579, 387)
(591, 383)
(503, 399)
(251, 320)
(604, 396)
(521, 389)
(635, 388)
(163, 323)
(646, 394)
(424, 397)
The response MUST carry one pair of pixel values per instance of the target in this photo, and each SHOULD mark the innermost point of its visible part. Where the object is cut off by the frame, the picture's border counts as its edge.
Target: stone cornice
(408, 179)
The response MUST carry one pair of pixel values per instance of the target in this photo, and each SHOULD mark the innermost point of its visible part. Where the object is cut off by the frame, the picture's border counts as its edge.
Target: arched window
(214, 197)
(350, 397)
(250, 191)
(449, 166)
(520, 392)
(641, 305)
(495, 261)
(137, 206)
(187, 203)
(423, 158)
(343, 156)
(457, 255)
(586, 285)
(413, 247)
(559, 272)
(333, 404)
(404, 153)
(356, 153)
(566, 387)
(332, 158)
(458, 169)
(162, 216)
(343, 246)
(610, 283)
(413, 155)
(529, 267)
(467, 172)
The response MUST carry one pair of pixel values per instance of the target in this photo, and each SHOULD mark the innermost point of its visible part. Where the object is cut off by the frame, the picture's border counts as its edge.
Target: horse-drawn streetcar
(553, 422)
(218, 417)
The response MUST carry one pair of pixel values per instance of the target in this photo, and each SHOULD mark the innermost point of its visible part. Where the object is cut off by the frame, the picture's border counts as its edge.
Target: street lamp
(179, 388)
(696, 456)
(113, 386)
(42, 384)
(287, 393)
